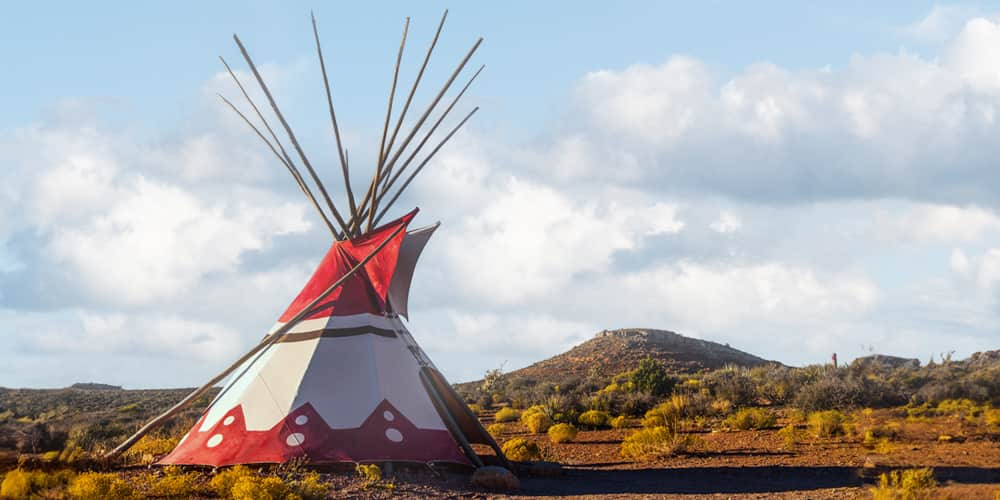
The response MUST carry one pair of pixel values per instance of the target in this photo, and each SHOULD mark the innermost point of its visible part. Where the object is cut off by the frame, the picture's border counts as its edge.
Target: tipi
(339, 378)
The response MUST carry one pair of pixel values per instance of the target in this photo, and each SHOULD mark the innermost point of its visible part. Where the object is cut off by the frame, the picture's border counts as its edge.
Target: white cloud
(789, 212)
(940, 23)
(529, 239)
(156, 241)
(882, 126)
(727, 223)
(943, 223)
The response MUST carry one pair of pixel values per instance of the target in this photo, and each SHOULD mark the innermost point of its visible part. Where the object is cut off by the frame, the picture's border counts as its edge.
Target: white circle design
(214, 441)
(295, 439)
(228, 420)
(388, 416)
(394, 435)
(301, 420)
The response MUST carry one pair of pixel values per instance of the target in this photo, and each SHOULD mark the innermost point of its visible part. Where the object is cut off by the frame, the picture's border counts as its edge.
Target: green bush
(651, 377)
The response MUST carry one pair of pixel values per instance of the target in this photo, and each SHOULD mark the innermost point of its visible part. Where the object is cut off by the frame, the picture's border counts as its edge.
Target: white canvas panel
(341, 382)
(409, 252)
(399, 376)
(267, 389)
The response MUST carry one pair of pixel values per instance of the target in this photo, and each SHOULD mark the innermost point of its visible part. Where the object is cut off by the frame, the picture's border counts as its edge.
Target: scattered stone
(495, 478)
(545, 469)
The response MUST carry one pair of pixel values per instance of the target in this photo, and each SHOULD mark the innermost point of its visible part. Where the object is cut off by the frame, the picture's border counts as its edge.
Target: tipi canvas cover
(347, 384)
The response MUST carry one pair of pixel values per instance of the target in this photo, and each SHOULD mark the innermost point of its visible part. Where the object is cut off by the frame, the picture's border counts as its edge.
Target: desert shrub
(531, 410)
(790, 436)
(537, 422)
(370, 473)
(733, 384)
(173, 483)
(910, 484)
(562, 433)
(651, 377)
(149, 448)
(223, 482)
(620, 422)
(71, 453)
(722, 406)
(752, 418)
(991, 417)
(507, 414)
(635, 403)
(830, 393)
(961, 408)
(16, 484)
(101, 486)
(475, 409)
(663, 415)
(259, 488)
(827, 423)
(594, 419)
(657, 442)
(311, 487)
(521, 450)
(495, 429)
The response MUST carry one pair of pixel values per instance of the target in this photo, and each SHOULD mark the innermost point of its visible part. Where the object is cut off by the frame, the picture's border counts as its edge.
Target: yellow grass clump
(101, 486)
(562, 433)
(827, 423)
(620, 422)
(752, 418)
(475, 409)
(223, 482)
(911, 484)
(16, 484)
(521, 450)
(653, 443)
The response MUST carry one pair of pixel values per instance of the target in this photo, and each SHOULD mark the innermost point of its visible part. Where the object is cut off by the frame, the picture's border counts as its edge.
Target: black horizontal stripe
(337, 332)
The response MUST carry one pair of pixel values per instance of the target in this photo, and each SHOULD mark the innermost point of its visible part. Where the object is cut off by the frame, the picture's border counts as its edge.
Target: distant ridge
(94, 386)
(616, 351)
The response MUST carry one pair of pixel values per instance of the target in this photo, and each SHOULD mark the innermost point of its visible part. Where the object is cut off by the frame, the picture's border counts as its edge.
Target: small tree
(494, 381)
(651, 377)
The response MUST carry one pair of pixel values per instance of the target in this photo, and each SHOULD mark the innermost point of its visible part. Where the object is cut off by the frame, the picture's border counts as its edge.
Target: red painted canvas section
(363, 292)
(386, 435)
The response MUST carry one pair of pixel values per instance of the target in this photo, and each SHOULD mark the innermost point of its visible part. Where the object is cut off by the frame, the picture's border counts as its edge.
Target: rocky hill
(616, 351)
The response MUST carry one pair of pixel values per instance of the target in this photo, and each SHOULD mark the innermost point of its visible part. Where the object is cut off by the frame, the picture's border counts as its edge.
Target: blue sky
(818, 176)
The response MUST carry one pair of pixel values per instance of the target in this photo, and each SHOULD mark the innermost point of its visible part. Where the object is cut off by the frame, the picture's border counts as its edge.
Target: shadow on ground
(710, 480)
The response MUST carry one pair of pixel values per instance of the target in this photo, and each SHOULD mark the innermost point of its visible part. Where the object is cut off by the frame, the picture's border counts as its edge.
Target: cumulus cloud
(883, 125)
(815, 209)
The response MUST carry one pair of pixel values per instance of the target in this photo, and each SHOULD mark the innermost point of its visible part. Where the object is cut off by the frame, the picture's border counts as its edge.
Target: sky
(791, 179)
